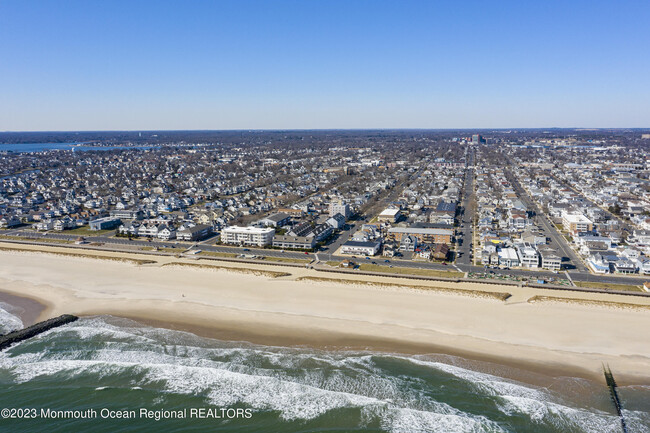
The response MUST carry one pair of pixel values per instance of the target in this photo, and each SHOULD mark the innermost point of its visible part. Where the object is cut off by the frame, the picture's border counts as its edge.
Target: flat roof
(248, 229)
(360, 244)
(389, 212)
(420, 231)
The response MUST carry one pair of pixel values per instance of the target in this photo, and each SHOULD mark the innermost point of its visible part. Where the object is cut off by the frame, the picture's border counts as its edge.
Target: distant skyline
(211, 65)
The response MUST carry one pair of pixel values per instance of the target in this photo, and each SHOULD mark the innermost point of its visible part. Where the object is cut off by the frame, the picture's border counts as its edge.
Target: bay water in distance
(115, 366)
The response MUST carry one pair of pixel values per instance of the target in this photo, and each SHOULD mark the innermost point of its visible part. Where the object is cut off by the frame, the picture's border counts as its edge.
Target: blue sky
(104, 65)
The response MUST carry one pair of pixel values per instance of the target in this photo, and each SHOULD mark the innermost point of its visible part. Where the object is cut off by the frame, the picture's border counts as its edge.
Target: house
(44, 225)
(130, 228)
(195, 233)
(254, 236)
(624, 265)
(643, 264)
(63, 224)
(528, 256)
(441, 252)
(166, 232)
(550, 260)
(365, 248)
(408, 243)
(508, 257)
(9, 222)
(598, 263)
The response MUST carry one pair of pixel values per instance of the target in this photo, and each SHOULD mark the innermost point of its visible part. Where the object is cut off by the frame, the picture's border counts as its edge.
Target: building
(550, 260)
(441, 252)
(364, 248)
(254, 236)
(166, 232)
(337, 206)
(9, 222)
(508, 257)
(106, 223)
(528, 256)
(128, 214)
(478, 139)
(195, 233)
(424, 235)
(276, 220)
(295, 242)
(390, 215)
(576, 223)
(336, 222)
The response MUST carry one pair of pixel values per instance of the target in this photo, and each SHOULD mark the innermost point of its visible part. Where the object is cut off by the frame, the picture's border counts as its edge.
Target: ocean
(125, 376)
(40, 147)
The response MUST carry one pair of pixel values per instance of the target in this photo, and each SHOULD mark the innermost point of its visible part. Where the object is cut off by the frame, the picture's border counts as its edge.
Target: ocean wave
(298, 384)
(9, 320)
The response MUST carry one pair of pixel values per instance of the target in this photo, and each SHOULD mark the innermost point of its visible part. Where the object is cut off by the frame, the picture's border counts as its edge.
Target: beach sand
(562, 338)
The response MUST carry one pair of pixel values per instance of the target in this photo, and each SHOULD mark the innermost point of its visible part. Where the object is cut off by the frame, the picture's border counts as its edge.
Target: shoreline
(336, 316)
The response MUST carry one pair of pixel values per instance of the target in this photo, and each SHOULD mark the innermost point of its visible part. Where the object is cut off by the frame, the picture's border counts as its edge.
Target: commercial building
(424, 235)
(365, 248)
(254, 236)
(128, 214)
(106, 223)
(390, 215)
(295, 242)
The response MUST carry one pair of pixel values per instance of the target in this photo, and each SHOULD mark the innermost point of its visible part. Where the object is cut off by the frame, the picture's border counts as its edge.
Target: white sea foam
(535, 403)
(298, 384)
(9, 320)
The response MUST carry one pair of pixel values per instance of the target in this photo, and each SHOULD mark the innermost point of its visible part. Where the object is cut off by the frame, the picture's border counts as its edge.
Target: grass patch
(608, 286)
(257, 272)
(85, 230)
(44, 239)
(500, 296)
(285, 259)
(369, 267)
(589, 302)
(215, 254)
(86, 256)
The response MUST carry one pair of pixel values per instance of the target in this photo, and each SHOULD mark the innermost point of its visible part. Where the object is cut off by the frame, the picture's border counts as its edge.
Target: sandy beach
(554, 336)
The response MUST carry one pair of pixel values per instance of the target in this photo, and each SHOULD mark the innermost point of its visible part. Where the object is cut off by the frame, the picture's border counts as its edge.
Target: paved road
(557, 240)
(466, 216)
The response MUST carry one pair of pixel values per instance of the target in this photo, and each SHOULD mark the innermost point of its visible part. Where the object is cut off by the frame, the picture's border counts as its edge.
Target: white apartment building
(255, 236)
(576, 222)
(337, 206)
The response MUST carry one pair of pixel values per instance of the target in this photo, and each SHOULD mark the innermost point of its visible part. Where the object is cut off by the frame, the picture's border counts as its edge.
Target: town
(561, 206)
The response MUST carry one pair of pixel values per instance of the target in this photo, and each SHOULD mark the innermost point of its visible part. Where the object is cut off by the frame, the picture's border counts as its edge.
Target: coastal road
(557, 240)
(577, 276)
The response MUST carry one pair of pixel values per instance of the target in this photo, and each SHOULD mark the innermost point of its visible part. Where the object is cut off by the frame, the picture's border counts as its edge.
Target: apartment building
(576, 223)
(254, 236)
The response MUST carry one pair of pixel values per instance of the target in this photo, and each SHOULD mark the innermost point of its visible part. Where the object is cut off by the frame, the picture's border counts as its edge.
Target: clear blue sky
(107, 64)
